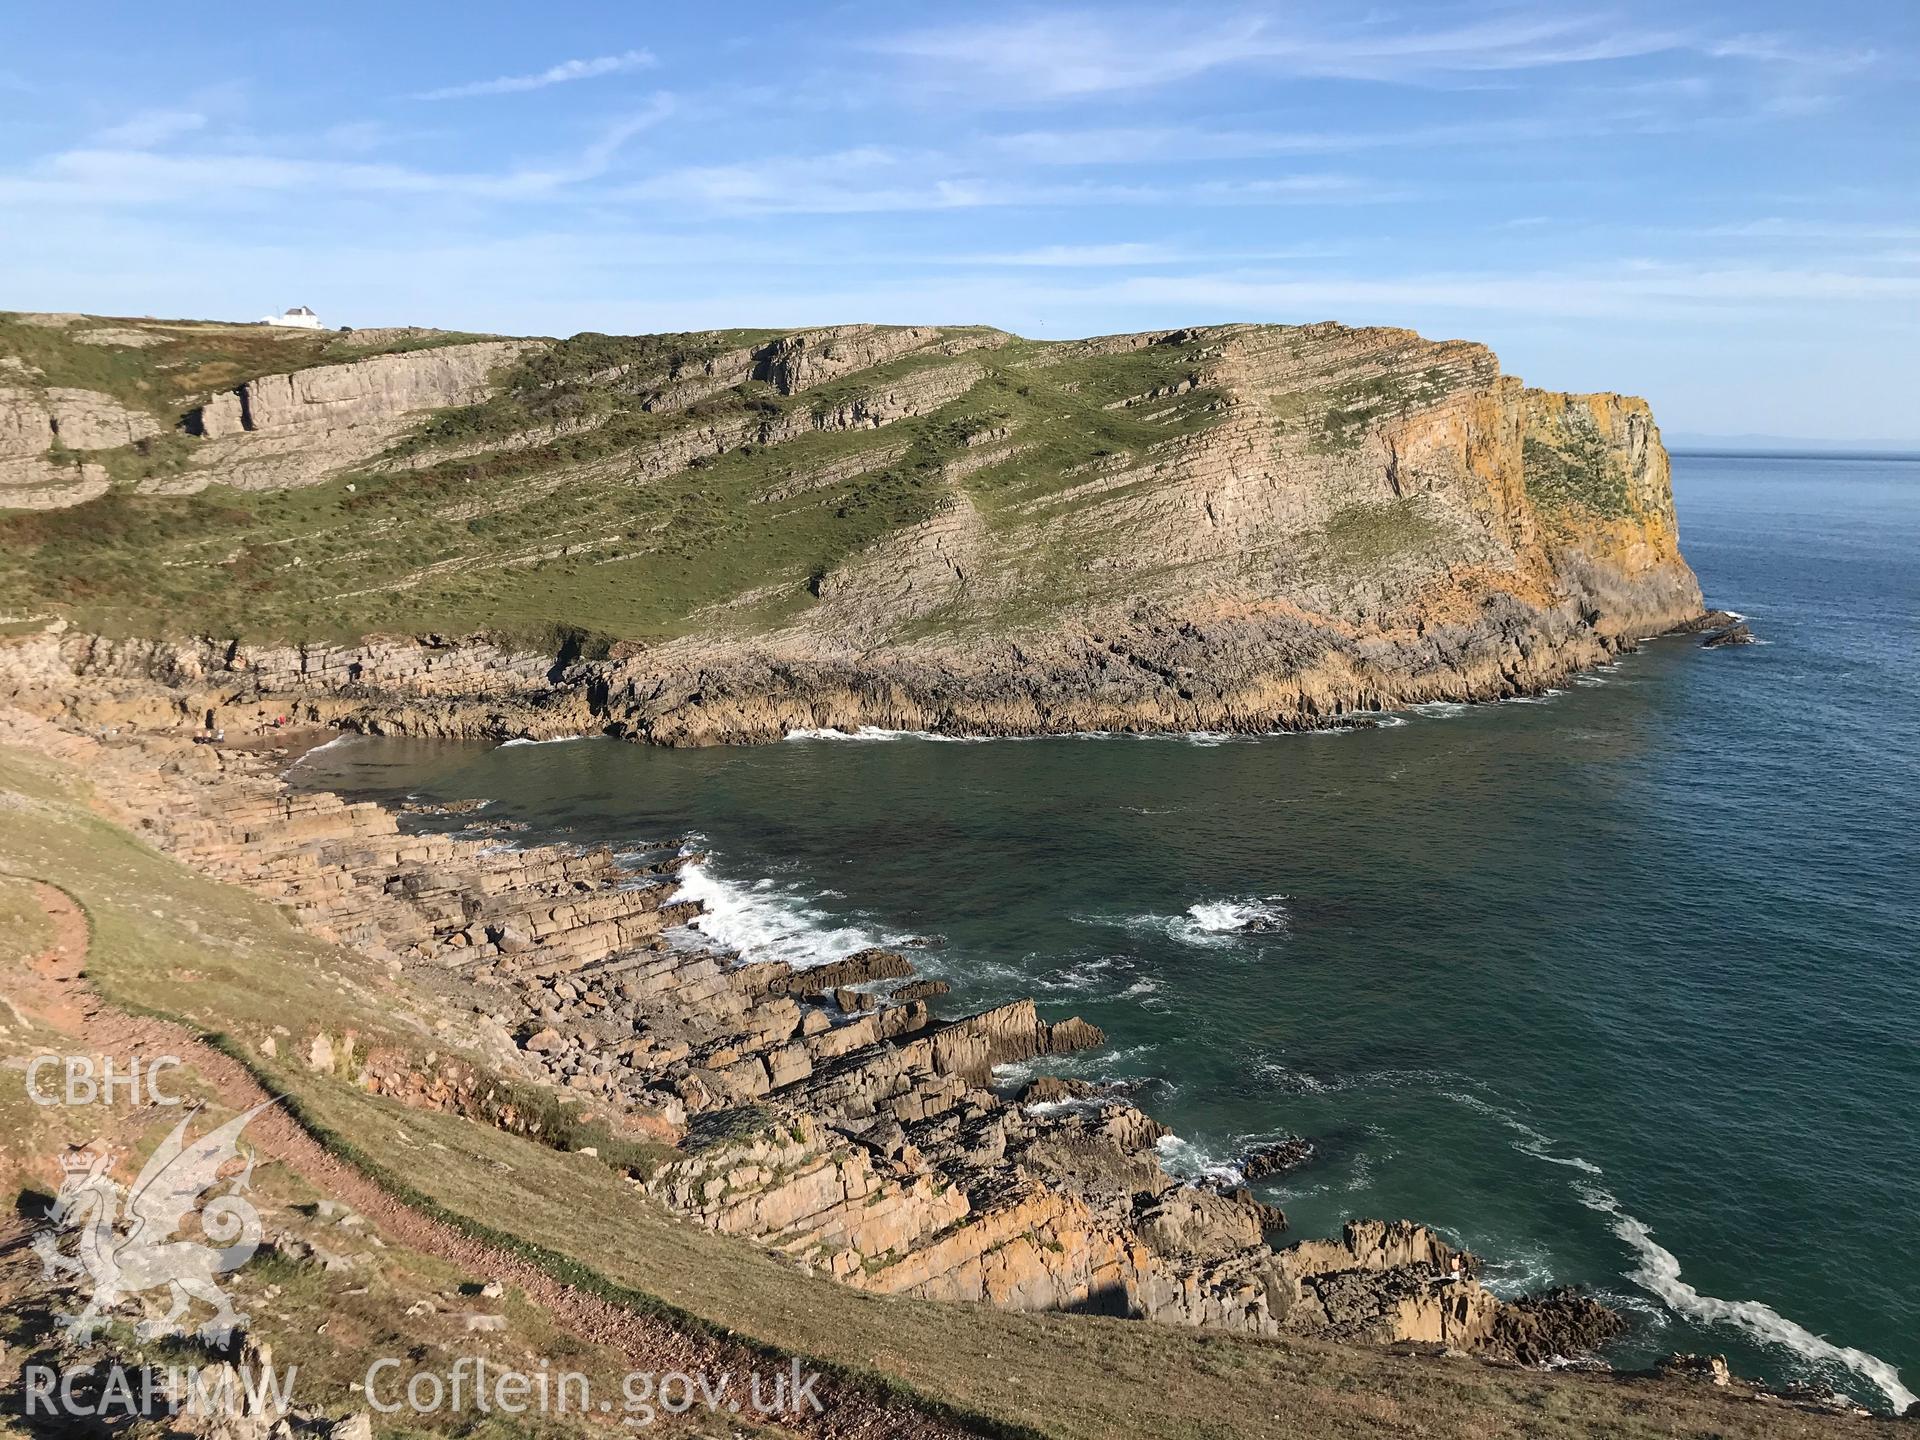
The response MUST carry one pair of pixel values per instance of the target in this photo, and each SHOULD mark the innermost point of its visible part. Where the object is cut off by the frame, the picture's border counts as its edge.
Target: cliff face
(282, 431)
(41, 424)
(1238, 527)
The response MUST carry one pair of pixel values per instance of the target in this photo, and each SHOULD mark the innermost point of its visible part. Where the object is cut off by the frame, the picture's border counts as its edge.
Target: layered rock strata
(1233, 528)
(279, 432)
(867, 1143)
(41, 428)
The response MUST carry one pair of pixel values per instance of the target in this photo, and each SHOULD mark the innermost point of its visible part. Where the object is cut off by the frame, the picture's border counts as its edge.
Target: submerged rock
(1271, 1158)
(1706, 621)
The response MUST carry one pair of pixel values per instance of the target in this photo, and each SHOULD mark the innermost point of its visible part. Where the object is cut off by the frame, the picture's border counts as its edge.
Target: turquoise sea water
(1618, 987)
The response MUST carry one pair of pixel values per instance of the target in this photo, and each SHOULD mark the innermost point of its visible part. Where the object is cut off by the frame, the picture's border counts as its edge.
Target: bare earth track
(55, 992)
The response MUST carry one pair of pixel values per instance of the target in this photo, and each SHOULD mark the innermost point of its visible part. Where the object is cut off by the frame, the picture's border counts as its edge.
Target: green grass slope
(554, 511)
(172, 943)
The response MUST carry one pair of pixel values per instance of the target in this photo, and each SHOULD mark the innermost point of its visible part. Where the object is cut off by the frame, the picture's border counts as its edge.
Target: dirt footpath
(55, 992)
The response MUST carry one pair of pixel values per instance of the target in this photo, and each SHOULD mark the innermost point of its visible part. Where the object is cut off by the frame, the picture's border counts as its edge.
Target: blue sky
(1711, 205)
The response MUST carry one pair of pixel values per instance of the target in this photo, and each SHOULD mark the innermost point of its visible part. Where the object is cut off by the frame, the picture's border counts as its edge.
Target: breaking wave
(1211, 924)
(1190, 1161)
(764, 921)
(337, 742)
(870, 733)
(1658, 1271)
(1530, 1142)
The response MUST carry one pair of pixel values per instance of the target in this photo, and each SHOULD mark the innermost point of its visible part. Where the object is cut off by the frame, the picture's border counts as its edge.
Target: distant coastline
(1790, 447)
(1734, 452)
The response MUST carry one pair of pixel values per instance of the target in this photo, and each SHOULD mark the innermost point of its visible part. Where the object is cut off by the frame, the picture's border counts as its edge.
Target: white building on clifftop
(299, 318)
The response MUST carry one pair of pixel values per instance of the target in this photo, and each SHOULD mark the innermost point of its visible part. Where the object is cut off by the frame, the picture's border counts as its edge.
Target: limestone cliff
(280, 431)
(41, 427)
(726, 535)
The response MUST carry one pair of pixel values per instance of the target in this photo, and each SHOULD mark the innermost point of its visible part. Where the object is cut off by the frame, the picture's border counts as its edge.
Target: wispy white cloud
(563, 73)
(1186, 144)
(1123, 255)
(1789, 50)
(876, 179)
(1089, 53)
(104, 177)
(150, 128)
(1778, 228)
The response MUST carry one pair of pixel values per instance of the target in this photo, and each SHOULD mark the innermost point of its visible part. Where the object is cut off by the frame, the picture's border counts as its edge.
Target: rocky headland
(728, 536)
(724, 536)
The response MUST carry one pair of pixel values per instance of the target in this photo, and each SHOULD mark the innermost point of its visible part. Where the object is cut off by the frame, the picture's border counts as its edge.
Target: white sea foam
(1531, 1141)
(1210, 924)
(338, 741)
(1297, 1082)
(869, 734)
(1516, 1269)
(1440, 709)
(1356, 724)
(1204, 738)
(865, 733)
(1658, 1270)
(554, 740)
(1089, 974)
(1231, 917)
(1194, 1162)
(764, 921)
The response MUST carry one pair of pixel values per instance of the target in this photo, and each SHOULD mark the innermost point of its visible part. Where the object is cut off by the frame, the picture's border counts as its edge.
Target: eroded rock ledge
(821, 1114)
(1248, 674)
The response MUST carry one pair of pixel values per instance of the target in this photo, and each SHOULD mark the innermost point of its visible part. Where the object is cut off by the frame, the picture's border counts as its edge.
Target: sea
(1619, 986)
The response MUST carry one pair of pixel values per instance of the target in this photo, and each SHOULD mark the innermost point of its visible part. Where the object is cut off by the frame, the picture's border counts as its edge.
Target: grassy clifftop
(858, 484)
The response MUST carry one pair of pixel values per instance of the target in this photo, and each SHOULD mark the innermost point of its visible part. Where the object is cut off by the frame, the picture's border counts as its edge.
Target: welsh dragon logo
(120, 1238)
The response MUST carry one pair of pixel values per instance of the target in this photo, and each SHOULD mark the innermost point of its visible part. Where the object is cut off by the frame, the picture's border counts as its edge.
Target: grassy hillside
(854, 487)
(165, 367)
(547, 504)
(170, 943)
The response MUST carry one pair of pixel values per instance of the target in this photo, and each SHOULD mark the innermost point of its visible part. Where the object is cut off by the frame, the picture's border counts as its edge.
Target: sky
(1712, 205)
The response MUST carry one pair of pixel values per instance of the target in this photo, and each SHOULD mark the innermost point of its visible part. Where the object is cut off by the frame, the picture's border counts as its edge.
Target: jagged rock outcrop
(282, 431)
(39, 426)
(382, 388)
(869, 1146)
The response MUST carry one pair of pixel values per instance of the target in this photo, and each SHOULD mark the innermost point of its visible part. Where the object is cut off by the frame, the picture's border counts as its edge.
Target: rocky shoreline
(1259, 678)
(827, 1116)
